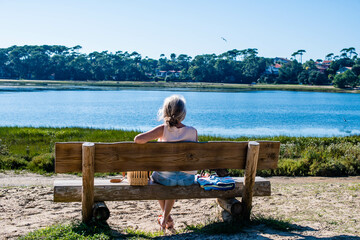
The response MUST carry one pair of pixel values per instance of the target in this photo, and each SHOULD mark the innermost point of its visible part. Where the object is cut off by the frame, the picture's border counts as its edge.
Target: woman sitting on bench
(173, 113)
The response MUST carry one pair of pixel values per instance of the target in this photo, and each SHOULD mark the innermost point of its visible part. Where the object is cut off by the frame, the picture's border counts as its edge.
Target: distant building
(272, 69)
(161, 74)
(327, 62)
(164, 74)
(280, 60)
(322, 66)
(175, 73)
(343, 69)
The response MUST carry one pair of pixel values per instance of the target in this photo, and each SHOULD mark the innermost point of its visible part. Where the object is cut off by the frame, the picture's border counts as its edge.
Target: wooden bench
(89, 158)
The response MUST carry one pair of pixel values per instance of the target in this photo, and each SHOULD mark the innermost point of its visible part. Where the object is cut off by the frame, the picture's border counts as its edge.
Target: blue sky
(152, 27)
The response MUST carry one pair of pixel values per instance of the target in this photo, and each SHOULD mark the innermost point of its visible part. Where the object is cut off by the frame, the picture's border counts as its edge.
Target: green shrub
(351, 160)
(12, 162)
(290, 150)
(42, 163)
(236, 172)
(329, 168)
(291, 167)
(3, 149)
(346, 79)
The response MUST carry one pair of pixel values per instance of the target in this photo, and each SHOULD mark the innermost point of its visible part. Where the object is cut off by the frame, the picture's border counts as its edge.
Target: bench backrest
(180, 156)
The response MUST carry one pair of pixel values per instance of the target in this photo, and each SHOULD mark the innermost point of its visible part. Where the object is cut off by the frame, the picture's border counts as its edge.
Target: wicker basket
(138, 178)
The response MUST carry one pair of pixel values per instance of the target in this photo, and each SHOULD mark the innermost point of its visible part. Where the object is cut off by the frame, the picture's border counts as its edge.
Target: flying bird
(224, 39)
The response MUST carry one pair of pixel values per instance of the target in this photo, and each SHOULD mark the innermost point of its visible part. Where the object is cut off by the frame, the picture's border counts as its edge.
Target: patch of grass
(333, 222)
(72, 231)
(355, 187)
(138, 234)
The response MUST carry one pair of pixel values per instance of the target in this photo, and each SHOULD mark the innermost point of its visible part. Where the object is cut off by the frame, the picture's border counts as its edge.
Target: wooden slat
(68, 157)
(70, 191)
(128, 156)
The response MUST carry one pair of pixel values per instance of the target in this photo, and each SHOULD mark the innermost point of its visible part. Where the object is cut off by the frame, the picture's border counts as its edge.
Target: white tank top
(184, 134)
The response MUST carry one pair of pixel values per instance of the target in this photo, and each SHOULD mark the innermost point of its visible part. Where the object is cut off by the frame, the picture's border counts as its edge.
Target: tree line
(234, 66)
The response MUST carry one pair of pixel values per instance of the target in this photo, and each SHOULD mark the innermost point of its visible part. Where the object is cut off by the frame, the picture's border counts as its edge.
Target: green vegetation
(347, 78)
(194, 86)
(33, 149)
(103, 231)
(234, 66)
(71, 231)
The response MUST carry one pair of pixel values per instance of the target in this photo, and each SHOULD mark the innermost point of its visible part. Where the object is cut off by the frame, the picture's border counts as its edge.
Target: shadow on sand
(258, 229)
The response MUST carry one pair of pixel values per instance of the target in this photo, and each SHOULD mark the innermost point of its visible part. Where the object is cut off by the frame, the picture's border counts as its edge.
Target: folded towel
(216, 183)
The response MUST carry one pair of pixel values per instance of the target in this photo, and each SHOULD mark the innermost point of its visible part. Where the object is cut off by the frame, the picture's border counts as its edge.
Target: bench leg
(249, 180)
(227, 217)
(88, 154)
(100, 211)
(231, 205)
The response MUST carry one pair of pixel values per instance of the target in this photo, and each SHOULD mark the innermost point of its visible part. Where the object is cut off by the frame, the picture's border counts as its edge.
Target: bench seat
(70, 191)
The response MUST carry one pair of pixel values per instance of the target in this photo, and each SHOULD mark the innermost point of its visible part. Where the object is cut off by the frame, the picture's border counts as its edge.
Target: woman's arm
(150, 135)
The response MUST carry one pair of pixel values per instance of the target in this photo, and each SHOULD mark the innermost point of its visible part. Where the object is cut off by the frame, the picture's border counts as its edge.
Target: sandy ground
(321, 208)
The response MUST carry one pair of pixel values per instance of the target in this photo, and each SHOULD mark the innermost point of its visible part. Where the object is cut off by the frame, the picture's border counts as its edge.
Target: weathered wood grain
(68, 156)
(128, 156)
(88, 154)
(249, 179)
(70, 191)
(231, 205)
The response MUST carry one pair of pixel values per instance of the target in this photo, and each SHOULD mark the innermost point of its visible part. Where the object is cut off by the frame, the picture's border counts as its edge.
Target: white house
(343, 69)
(280, 60)
(164, 74)
(273, 69)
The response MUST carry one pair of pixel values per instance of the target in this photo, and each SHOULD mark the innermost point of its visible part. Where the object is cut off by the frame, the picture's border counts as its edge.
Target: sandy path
(323, 207)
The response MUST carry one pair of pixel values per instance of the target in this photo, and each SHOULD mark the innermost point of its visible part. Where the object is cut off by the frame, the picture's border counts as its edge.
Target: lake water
(248, 113)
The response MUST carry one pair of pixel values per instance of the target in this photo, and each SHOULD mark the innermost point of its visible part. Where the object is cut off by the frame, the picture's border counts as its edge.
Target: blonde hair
(173, 110)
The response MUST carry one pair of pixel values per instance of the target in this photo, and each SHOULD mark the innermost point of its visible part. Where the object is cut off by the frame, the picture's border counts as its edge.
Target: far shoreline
(187, 86)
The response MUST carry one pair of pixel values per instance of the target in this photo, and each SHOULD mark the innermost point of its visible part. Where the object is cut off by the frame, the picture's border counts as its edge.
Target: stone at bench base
(70, 191)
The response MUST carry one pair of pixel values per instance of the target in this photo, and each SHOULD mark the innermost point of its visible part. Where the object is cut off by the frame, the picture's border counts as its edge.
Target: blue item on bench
(216, 183)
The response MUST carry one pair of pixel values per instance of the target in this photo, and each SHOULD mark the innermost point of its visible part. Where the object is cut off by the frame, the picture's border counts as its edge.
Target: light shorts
(173, 178)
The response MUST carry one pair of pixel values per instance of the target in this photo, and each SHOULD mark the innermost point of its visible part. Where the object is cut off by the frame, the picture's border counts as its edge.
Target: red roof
(277, 65)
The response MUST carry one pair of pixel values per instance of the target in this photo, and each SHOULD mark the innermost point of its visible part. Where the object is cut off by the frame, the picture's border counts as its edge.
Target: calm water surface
(252, 113)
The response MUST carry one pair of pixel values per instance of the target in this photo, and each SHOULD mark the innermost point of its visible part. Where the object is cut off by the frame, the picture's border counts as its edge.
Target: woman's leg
(162, 204)
(167, 208)
(167, 179)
